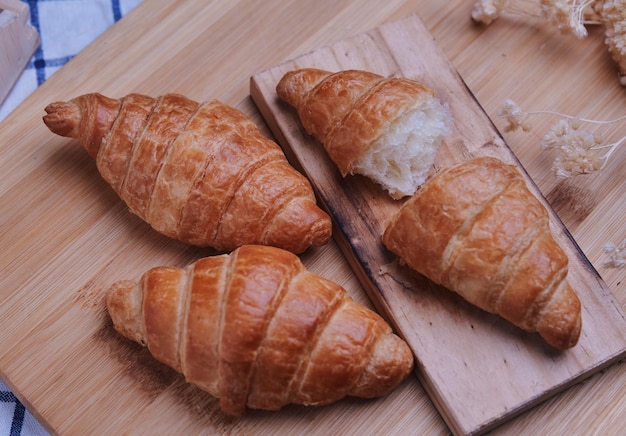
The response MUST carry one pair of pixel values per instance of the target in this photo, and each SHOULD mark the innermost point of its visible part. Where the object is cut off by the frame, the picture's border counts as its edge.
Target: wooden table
(66, 236)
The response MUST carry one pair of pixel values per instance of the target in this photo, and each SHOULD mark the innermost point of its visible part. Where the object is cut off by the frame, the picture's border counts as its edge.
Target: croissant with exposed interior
(388, 129)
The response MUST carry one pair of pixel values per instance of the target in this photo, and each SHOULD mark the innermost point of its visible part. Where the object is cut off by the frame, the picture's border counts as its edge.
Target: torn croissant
(478, 230)
(387, 129)
(255, 329)
(201, 173)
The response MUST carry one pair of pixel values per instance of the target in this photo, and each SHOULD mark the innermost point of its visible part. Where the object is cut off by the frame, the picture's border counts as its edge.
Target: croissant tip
(297, 83)
(62, 118)
(562, 336)
(322, 231)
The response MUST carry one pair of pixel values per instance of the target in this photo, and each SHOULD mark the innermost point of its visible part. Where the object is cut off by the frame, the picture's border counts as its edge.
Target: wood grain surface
(66, 236)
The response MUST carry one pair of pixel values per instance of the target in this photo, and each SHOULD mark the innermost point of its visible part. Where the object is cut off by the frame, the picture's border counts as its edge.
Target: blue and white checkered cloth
(65, 27)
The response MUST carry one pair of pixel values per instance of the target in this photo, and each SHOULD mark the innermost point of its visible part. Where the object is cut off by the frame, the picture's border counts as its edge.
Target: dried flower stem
(612, 148)
(575, 118)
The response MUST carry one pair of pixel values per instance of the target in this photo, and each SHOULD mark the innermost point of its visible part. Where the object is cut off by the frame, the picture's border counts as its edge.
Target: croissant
(387, 129)
(199, 173)
(254, 328)
(476, 229)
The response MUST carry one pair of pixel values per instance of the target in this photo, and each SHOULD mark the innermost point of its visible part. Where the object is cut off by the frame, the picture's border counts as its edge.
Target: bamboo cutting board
(65, 236)
(478, 370)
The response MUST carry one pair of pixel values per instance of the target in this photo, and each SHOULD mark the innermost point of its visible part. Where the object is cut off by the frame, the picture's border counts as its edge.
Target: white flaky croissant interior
(400, 160)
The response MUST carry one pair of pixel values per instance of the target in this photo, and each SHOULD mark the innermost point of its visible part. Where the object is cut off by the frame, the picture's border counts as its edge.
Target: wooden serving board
(478, 369)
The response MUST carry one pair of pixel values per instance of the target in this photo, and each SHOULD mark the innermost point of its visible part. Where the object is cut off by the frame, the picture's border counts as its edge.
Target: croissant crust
(477, 229)
(255, 329)
(201, 173)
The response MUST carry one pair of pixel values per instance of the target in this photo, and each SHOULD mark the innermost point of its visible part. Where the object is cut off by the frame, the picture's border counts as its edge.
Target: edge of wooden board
(360, 211)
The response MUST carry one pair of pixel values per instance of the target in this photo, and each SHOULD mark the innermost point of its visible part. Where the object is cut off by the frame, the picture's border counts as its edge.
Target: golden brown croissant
(254, 328)
(199, 173)
(387, 129)
(476, 229)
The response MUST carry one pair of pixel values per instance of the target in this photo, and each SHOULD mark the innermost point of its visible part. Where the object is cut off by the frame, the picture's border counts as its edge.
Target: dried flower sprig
(614, 255)
(486, 11)
(515, 116)
(567, 16)
(613, 14)
(570, 17)
(579, 150)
